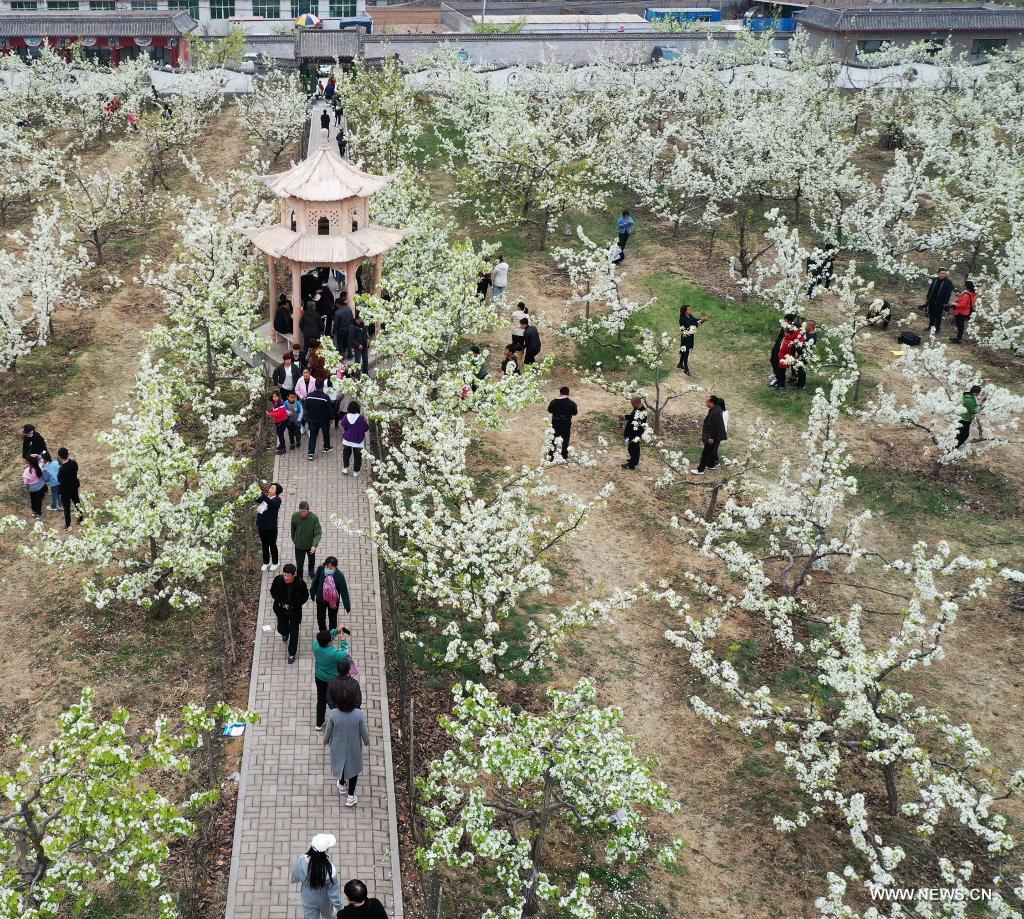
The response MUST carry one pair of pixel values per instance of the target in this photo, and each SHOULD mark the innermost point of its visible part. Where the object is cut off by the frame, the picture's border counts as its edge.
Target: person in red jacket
(962, 310)
(791, 347)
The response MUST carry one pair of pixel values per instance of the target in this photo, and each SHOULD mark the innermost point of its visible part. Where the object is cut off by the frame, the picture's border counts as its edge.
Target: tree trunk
(891, 793)
(531, 905)
(713, 503)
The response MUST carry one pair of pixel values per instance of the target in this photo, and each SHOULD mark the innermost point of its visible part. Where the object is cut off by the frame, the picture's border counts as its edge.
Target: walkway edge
(385, 712)
(243, 769)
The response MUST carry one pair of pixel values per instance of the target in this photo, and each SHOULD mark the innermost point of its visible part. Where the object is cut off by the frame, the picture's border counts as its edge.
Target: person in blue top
(50, 467)
(626, 224)
(296, 413)
(326, 658)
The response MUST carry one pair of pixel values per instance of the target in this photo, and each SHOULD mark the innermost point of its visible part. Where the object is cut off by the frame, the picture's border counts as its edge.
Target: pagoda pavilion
(325, 223)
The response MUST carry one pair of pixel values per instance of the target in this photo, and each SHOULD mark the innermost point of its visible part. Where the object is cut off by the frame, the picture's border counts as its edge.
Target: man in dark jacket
(937, 301)
(359, 343)
(712, 434)
(67, 480)
(32, 442)
(634, 431)
(325, 120)
(343, 320)
(289, 593)
(360, 904)
(309, 325)
(318, 417)
(531, 340)
(562, 411)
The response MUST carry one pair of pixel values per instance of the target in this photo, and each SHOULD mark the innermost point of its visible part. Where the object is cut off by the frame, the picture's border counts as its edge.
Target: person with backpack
(712, 434)
(531, 341)
(963, 309)
(329, 589)
(289, 593)
(32, 479)
(319, 886)
(354, 426)
(971, 408)
(50, 469)
(268, 509)
(67, 477)
(326, 658)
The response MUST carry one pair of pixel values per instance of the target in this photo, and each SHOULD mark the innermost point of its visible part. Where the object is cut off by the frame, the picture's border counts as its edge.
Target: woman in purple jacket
(355, 427)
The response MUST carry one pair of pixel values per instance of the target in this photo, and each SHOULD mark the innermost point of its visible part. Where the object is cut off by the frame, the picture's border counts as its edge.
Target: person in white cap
(317, 879)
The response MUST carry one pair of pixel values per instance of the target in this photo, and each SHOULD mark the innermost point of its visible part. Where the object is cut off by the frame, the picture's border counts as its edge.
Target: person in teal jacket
(50, 467)
(971, 408)
(326, 657)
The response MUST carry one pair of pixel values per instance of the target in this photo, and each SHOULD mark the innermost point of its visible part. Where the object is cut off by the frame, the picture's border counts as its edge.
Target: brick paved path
(286, 793)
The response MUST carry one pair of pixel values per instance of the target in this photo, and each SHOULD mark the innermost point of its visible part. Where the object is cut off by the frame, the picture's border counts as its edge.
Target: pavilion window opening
(295, 225)
(323, 226)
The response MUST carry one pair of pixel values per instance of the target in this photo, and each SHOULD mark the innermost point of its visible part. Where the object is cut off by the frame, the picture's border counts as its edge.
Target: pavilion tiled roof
(281, 242)
(326, 43)
(922, 17)
(324, 176)
(119, 23)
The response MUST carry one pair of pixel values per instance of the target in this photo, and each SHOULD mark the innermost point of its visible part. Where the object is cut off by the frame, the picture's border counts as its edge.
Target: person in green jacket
(306, 534)
(971, 408)
(326, 657)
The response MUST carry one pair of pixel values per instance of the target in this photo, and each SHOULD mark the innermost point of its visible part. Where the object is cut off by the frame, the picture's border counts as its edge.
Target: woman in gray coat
(319, 885)
(346, 734)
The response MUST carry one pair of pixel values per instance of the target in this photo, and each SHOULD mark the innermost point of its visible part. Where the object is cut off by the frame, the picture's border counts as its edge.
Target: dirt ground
(734, 863)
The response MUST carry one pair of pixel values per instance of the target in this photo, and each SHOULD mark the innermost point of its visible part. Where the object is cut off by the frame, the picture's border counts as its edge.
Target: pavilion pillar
(272, 272)
(296, 298)
(378, 261)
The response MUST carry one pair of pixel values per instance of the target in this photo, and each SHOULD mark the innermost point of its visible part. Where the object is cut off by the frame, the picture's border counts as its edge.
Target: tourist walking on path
(361, 906)
(306, 535)
(341, 328)
(712, 434)
(359, 343)
(31, 442)
(278, 414)
(286, 374)
(326, 658)
(499, 279)
(319, 887)
(687, 323)
(963, 309)
(353, 440)
(67, 476)
(325, 120)
(531, 339)
(346, 735)
(328, 589)
(562, 411)
(50, 470)
(32, 479)
(971, 408)
(317, 409)
(634, 431)
(289, 593)
(268, 508)
(937, 300)
(296, 415)
(626, 225)
(337, 687)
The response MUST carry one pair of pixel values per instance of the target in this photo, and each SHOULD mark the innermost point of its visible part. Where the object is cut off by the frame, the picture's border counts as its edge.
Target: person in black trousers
(562, 411)
(325, 120)
(937, 301)
(531, 341)
(266, 524)
(785, 327)
(289, 593)
(342, 326)
(318, 410)
(32, 442)
(67, 479)
(634, 431)
(326, 614)
(712, 434)
(687, 323)
(359, 343)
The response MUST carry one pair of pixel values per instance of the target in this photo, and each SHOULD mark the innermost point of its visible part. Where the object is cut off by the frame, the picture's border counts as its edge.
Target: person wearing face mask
(329, 589)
